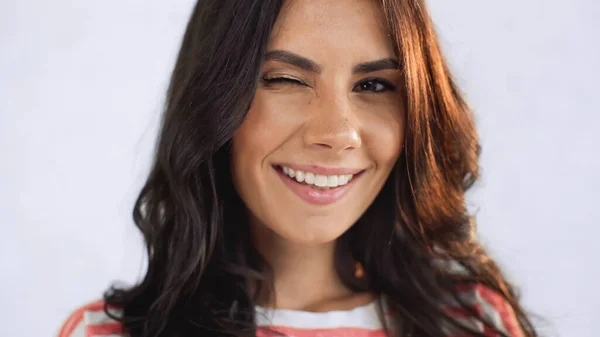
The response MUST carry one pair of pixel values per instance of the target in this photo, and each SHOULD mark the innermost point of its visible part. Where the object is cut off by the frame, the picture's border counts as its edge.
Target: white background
(81, 90)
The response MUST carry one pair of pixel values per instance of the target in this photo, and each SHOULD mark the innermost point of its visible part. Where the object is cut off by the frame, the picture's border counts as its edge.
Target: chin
(311, 231)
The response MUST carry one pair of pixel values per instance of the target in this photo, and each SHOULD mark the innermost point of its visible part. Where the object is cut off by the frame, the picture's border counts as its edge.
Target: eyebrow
(372, 66)
(309, 65)
(293, 59)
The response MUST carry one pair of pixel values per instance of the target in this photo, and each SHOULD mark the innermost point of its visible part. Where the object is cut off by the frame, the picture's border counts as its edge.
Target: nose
(332, 127)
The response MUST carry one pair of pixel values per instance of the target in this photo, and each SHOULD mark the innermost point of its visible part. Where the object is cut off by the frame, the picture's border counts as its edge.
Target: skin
(331, 117)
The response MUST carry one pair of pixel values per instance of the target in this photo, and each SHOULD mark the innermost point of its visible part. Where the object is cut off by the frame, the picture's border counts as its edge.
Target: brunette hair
(201, 263)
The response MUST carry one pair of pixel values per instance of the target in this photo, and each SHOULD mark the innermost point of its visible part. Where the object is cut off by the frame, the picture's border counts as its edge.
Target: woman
(309, 180)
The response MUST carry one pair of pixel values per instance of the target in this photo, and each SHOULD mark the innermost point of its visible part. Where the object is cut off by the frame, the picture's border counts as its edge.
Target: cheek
(271, 120)
(268, 125)
(384, 131)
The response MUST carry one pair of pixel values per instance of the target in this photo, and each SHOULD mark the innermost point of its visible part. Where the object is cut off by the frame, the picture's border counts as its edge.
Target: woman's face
(326, 125)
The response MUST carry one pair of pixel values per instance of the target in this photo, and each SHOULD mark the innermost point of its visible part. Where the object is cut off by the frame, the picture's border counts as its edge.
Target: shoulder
(91, 320)
(474, 304)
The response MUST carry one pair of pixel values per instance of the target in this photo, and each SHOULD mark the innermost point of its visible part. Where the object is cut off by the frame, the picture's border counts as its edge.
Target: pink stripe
(506, 312)
(77, 317)
(104, 329)
(337, 332)
(69, 326)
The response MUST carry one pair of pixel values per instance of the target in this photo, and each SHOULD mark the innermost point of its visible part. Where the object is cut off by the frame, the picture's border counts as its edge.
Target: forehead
(327, 30)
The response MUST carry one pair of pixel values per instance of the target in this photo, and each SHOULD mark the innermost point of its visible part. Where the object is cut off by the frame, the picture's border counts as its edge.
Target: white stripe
(492, 316)
(451, 266)
(79, 330)
(472, 298)
(364, 317)
(100, 317)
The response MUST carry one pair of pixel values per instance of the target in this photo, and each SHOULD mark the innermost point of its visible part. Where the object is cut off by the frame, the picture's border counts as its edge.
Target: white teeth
(299, 176)
(344, 179)
(332, 181)
(318, 180)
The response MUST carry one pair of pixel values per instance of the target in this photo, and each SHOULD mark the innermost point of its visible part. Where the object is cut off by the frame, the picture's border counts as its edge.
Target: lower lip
(313, 195)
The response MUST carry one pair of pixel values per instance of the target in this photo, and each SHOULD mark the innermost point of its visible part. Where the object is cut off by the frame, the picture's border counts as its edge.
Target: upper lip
(323, 170)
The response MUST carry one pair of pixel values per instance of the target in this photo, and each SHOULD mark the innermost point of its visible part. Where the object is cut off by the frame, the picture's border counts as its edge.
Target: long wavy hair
(202, 263)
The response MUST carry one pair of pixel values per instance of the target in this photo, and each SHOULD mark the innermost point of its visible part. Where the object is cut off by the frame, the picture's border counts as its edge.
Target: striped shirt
(364, 321)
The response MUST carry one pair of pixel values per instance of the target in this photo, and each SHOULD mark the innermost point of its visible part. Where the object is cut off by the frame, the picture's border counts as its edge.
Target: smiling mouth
(317, 181)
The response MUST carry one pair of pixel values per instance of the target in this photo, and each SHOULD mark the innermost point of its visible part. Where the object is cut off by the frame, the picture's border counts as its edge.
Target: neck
(304, 276)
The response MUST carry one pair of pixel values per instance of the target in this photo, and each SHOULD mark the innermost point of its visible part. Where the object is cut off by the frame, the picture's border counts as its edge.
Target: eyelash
(387, 86)
(282, 80)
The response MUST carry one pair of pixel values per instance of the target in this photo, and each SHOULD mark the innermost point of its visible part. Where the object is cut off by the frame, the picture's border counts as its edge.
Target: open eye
(281, 80)
(374, 85)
